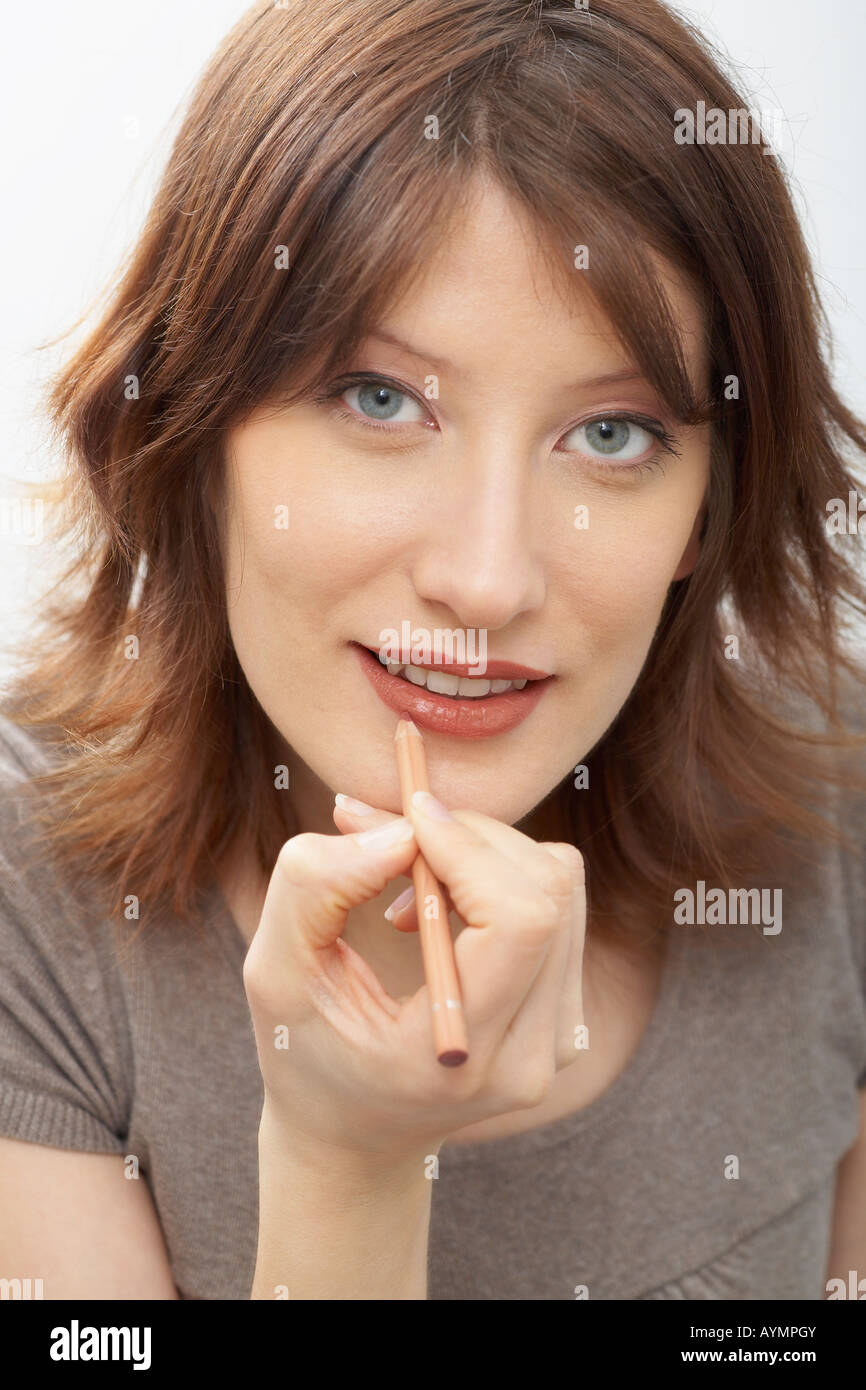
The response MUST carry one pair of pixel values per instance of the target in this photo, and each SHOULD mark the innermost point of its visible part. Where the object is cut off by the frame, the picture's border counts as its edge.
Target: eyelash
(342, 384)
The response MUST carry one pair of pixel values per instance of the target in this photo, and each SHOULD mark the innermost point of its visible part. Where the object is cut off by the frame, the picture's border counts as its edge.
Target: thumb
(318, 879)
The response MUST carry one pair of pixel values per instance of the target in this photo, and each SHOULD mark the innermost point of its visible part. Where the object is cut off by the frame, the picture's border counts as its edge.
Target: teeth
(439, 683)
(468, 686)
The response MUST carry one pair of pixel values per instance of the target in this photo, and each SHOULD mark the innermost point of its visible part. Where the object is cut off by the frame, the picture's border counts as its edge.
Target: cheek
(617, 572)
(293, 536)
(614, 589)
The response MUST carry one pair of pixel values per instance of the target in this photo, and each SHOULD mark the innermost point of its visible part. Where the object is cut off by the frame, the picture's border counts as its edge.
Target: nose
(481, 554)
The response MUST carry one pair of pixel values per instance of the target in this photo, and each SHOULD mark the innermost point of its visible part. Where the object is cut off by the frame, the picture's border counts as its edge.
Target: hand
(360, 1071)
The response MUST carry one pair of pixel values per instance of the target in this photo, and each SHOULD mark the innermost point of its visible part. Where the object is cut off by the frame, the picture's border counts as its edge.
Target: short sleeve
(786, 1254)
(854, 874)
(65, 1051)
(853, 862)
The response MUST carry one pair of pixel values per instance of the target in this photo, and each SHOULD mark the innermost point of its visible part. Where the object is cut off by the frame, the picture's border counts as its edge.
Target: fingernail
(394, 833)
(429, 806)
(351, 804)
(399, 903)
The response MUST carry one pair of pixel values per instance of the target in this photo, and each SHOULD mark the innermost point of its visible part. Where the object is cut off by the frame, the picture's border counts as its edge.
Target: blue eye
(627, 441)
(379, 401)
(615, 438)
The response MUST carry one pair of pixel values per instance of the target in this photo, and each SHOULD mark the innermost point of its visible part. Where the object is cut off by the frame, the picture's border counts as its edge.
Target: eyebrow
(625, 374)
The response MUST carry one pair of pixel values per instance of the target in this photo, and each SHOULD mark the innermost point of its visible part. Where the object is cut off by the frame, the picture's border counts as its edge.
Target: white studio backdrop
(92, 95)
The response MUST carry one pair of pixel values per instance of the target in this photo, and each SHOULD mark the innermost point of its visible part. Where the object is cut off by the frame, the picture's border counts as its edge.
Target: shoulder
(40, 900)
(64, 1038)
(851, 822)
(798, 920)
(825, 892)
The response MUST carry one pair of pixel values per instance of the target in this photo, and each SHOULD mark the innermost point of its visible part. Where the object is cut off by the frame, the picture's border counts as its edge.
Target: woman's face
(501, 495)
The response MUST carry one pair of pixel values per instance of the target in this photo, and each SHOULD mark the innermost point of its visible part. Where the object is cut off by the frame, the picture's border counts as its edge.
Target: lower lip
(446, 714)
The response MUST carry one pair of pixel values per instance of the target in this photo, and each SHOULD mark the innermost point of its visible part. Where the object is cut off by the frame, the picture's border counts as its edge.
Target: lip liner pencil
(437, 948)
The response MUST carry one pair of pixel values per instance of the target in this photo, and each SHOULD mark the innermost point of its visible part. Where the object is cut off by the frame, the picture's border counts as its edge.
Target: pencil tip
(456, 1058)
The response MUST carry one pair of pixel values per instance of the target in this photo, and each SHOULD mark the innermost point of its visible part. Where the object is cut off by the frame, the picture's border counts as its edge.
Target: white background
(91, 97)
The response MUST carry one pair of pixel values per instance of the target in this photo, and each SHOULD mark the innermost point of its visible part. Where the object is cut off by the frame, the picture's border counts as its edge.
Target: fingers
(521, 848)
(569, 1011)
(512, 892)
(319, 878)
(351, 815)
(554, 989)
(557, 992)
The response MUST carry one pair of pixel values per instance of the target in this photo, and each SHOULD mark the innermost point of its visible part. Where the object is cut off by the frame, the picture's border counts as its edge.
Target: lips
(463, 717)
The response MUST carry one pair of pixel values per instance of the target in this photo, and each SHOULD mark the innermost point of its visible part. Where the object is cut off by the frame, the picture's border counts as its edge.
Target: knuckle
(557, 882)
(533, 1085)
(249, 976)
(572, 859)
(298, 858)
(258, 980)
(271, 990)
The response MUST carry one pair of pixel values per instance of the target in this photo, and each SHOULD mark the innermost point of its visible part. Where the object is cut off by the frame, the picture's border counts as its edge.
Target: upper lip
(493, 670)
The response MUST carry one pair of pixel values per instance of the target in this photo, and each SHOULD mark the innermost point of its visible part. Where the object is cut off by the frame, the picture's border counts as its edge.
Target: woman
(437, 321)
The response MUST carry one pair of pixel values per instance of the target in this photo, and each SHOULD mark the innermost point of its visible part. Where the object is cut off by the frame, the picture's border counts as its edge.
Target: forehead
(491, 293)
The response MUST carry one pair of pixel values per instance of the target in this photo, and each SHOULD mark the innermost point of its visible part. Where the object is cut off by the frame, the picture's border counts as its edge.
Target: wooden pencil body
(437, 948)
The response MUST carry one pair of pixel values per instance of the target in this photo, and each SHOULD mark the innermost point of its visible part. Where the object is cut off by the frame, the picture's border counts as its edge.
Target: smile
(450, 702)
(440, 683)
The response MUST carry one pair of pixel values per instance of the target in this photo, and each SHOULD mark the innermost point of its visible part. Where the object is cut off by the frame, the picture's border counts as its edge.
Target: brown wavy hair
(309, 132)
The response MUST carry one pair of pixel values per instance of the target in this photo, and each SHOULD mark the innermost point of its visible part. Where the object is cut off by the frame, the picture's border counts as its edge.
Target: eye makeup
(331, 396)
